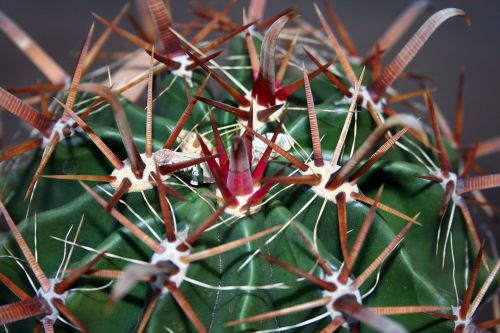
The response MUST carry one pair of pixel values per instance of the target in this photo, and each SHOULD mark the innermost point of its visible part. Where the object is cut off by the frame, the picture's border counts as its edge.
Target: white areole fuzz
(50, 296)
(182, 71)
(242, 201)
(456, 311)
(325, 172)
(452, 177)
(175, 256)
(342, 290)
(137, 184)
(365, 98)
(64, 129)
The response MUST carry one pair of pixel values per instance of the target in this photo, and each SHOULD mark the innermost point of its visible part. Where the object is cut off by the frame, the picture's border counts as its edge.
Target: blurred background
(60, 26)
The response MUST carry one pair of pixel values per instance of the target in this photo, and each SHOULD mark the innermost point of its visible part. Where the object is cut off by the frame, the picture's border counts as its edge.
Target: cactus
(275, 199)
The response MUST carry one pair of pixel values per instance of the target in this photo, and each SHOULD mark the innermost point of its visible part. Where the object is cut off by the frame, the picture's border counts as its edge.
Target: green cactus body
(237, 284)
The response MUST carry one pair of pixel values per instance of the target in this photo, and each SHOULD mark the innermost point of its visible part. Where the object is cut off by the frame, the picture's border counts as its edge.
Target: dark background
(59, 26)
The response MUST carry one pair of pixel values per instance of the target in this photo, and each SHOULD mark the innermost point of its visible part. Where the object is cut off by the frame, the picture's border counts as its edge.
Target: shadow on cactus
(264, 187)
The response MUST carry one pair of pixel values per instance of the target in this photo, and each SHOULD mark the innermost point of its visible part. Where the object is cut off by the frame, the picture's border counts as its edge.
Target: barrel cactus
(273, 187)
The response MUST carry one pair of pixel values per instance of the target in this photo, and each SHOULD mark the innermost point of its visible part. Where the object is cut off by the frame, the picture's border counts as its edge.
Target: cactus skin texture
(386, 251)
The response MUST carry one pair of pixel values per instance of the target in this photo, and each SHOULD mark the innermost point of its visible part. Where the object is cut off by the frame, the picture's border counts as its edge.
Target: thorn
(399, 120)
(18, 149)
(312, 180)
(347, 122)
(284, 92)
(241, 114)
(45, 159)
(282, 312)
(333, 79)
(120, 191)
(68, 314)
(261, 166)
(313, 122)
(285, 61)
(470, 155)
(297, 163)
(450, 187)
(377, 62)
(13, 287)
(257, 197)
(232, 91)
(342, 220)
(486, 284)
(35, 267)
(317, 281)
(339, 26)
(139, 42)
(333, 325)
(264, 89)
(264, 24)
(478, 183)
(148, 241)
(204, 60)
(381, 258)
(218, 42)
(217, 173)
(171, 168)
(149, 110)
(36, 88)
(149, 310)
(77, 73)
(94, 178)
(370, 201)
(204, 226)
(399, 27)
(112, 158)
(471, 285)
(171, 44)
(472, 229)
(24, 111)
(32, 50)
(227, 246)
(360, 238)
(310, 247)
(336, 48)
(377, 156)
(185, 306)
(31, 307)
(407, 96)
(221, 151)
(136, 162)
(64, 285)
(443, 155)
(264, 114)
(165, 208)
(185, 116)
(213, 23)
(408, 52)
(489, 147)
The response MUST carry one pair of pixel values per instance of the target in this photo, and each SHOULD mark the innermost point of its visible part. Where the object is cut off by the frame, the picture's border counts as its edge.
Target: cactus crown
(291, 196)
